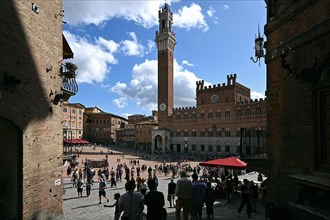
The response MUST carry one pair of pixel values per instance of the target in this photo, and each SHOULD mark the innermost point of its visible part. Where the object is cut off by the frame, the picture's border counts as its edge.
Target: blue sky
(114, 48)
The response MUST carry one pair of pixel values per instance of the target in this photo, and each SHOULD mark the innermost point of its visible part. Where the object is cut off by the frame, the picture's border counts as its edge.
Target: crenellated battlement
(261, 100)
(231, 80)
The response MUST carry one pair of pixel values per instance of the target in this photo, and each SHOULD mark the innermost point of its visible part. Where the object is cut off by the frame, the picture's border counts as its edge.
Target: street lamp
(259, 48)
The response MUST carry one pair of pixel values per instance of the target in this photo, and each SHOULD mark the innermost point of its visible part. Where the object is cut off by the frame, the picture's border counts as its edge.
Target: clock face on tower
(214, 98)
(162, 107)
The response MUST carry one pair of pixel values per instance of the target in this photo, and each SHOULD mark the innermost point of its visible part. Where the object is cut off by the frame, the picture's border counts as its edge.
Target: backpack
(79, 184)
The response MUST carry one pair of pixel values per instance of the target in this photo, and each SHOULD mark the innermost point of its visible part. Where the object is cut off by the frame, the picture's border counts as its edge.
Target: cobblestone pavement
(86, 208)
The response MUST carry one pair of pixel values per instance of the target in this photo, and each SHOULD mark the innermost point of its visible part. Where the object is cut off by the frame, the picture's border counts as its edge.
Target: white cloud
(144, 13)
(225, 7)
(150, 45)
(120, 102)
(190, 17)
(143, 86)
(98, 12)
(210, 12)
(185, 62)
(109, 44)
(92, 68)
(257, 95)
(132, 47)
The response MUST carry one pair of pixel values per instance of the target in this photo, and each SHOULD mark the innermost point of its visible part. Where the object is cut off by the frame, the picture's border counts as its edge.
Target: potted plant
(71, 69)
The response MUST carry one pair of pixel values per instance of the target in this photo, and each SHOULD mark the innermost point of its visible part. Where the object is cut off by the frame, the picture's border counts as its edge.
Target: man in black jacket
(171, 193)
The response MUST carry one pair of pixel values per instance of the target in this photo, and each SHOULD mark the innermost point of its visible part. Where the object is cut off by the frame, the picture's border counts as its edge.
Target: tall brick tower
(165, 39)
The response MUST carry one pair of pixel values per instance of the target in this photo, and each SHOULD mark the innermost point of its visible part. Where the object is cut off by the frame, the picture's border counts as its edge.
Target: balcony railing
(69, 85)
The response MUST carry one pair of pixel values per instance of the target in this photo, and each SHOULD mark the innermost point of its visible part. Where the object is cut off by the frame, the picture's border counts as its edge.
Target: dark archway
(11, 173)
(158, 142)
(178, 148)
(321, 110)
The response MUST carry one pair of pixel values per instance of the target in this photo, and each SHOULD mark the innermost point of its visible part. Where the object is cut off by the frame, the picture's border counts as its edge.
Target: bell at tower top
(165, 37)
(165, 19)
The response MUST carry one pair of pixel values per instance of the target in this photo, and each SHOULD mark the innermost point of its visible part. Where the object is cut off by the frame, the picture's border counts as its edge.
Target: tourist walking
(246, 195)
(198, 191)
(102, 190)
(183, 192)
(209, 198)
(131, 203)
(143, 187)
(80, 187)
(255, 195)
(171, 192)
(155, 202)
(88, 184)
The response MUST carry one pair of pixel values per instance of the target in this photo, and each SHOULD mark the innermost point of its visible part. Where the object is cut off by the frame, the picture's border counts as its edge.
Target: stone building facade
(143, 132)
(73, 120)
(100, 127)
(31, 94)
(128, 136)
(221, 113)
(298, 107)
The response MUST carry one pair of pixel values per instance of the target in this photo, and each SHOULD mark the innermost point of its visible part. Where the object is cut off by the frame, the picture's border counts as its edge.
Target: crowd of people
(187, 194)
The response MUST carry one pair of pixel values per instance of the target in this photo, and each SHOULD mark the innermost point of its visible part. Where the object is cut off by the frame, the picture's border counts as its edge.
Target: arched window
(239, 113)
(202, 147)
(227, 114)
(321, 107)
(227, 133)
(185, 116)
(218, 133)
(193, 133)
(258, 111)
(178, 116)
(248, 112)
(202, 115)
(210, 133)
(193, 115)
(210, 115)
(218, 114)
(202, 133)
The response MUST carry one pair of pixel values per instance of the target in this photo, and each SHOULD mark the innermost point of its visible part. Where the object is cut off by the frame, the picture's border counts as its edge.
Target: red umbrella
(229, 162)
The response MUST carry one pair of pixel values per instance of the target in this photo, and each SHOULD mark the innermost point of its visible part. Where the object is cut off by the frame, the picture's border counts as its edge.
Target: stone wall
(297, 44)
(31, 52)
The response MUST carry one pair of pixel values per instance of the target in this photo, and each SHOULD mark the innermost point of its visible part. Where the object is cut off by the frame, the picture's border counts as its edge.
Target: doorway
(10, 170)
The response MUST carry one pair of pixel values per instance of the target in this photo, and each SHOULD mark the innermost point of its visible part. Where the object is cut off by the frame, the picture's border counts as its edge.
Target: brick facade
(31, 141)
(298, 62)
(214, 125)
(100, 127)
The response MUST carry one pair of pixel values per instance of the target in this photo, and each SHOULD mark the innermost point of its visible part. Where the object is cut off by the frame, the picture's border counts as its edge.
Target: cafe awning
(75, 141)
(67, 52)
(229, 162)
